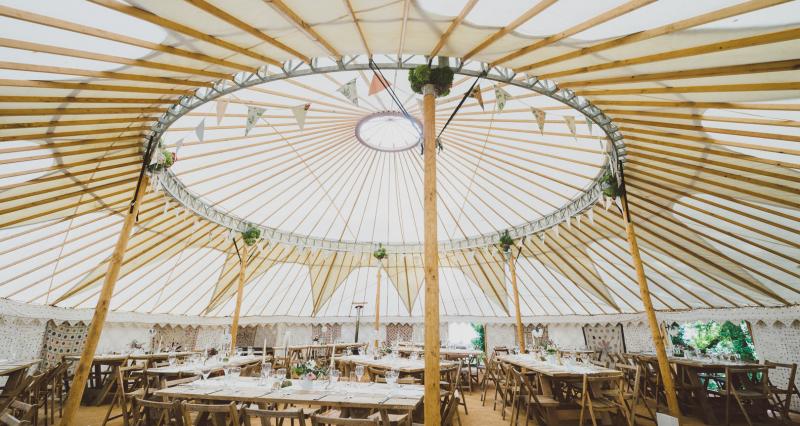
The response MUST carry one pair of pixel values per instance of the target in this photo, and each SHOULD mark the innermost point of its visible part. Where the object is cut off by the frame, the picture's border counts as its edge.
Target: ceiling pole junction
(658, 341)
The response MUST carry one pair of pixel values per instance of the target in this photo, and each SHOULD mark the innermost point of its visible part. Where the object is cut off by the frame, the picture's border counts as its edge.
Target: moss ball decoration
(251, 235)
(441, 78)
(506, 241)
(380, 253)
(608, 184)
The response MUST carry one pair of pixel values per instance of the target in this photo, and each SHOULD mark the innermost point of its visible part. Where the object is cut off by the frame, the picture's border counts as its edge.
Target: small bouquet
(309, 371)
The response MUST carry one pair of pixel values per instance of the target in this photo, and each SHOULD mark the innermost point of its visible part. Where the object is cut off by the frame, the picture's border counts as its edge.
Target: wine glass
(359, 372)
(172, 359)
(391, 377)
(205, 370)
(281, 374)
(333, 376)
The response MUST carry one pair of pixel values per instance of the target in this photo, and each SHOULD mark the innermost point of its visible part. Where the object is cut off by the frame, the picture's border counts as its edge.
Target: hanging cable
(458, 107)
(147, 155)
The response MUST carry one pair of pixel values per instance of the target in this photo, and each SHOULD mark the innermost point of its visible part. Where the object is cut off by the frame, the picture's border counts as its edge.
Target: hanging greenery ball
(251, 235)
(506, 241)
(608, 184)
(441, 78)
(380, 253)
(169, 159)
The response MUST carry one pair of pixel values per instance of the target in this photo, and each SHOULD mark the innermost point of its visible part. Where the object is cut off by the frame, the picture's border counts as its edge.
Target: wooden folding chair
(129, 384)
(632, 393)
(216, 415)
(155, 413)
(526, 392)
(340, 421)
(603, 394)
(782, 396)
(9, 420)
(746, 384)
(278, 416)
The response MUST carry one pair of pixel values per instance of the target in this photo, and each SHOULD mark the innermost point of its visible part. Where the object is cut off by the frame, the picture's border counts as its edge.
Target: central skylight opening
(389, 131)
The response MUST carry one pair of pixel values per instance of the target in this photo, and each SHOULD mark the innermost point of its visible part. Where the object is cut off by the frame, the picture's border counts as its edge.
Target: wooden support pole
(378, 308)
(512, 266)
(431, 261)
(658, 342)
(239, 292)
(101, 310)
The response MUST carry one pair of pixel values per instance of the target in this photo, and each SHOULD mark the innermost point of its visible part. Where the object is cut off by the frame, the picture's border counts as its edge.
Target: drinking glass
(235, 372)
(266, 367)
(281, 373)
(205, 370)
(250, 351)
(391, 377)
(172, 359)
(359, 372)
(333, 376)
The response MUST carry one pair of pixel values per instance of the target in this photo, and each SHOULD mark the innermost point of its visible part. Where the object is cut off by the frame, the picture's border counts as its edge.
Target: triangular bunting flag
(501, 96)
(590, 124)
(591, 215)
(569, 224)
(571, 124)
(578, 219)
(222, 105)
(477, 95)
(540, 118)
(178, 145)
(253, 114)
(349, 91)
(420, 105)
(200, 130)
(555, 230)
(377, 84)
(300, 112)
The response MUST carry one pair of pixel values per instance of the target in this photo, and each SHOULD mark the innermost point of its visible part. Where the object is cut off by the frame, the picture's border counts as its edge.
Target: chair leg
(727, 409)
(744, 410)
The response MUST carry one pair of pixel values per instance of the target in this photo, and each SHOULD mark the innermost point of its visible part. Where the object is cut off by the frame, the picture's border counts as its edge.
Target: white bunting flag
(253, 114)
(300, 112)
(591, 215)
(501, 97)
(571, 124)
(540, 117)
(178, 146)
(569, 224)
(477, 95)
(555, 230)
(200, 130)
(578, 218)
(590, 124)
(543, 236)
(222, 105)
(349, 91)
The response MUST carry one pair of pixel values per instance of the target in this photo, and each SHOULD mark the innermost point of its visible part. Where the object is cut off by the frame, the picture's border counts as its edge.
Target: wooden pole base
(239, 292)
(431, 261)
(655, 331)
(378, 309)
(101, 311)
(512, 266)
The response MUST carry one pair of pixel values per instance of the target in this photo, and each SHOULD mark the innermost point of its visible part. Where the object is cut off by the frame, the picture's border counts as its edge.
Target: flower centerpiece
(308, 372)
(441, 78)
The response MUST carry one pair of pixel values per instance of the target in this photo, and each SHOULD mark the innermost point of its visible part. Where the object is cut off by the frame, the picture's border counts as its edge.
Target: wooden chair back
(603, 394)
(782, 396)
(214, 415)
(339, 421)
(266, 416)
(529, 385)
(750, 383)
(9, 420)
(155, 413)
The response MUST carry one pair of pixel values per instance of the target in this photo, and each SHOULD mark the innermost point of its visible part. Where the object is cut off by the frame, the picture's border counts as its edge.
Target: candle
(264, 351)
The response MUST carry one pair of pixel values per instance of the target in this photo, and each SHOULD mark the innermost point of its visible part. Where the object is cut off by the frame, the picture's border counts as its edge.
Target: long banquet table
(163, 373)
(402, 365)
(551, 375)
(343, 395)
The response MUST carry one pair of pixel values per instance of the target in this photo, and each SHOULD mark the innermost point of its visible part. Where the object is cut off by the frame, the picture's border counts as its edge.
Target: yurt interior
(399, 212)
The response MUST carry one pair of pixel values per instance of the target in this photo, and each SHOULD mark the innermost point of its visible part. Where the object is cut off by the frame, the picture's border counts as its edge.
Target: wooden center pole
(101, 311)
(431, 262)
(644, 291)
(239, 292)
(512, 266)
(378, 308)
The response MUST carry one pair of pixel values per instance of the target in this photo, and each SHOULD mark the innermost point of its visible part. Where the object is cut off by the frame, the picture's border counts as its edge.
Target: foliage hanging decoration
(380, 253)
(441, 78)
(165, 160)
(608, 184)
(506, 241)
(251, 235)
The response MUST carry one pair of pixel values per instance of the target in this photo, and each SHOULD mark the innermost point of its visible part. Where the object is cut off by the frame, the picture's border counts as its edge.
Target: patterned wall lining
(605, 339)
(61, 340)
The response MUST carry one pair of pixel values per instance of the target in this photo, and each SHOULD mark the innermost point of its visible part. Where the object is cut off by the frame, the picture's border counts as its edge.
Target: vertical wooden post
(431, 262)
(378, 308)
(239, 291)
(644, 291)
(512, 266)
(101, 310)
